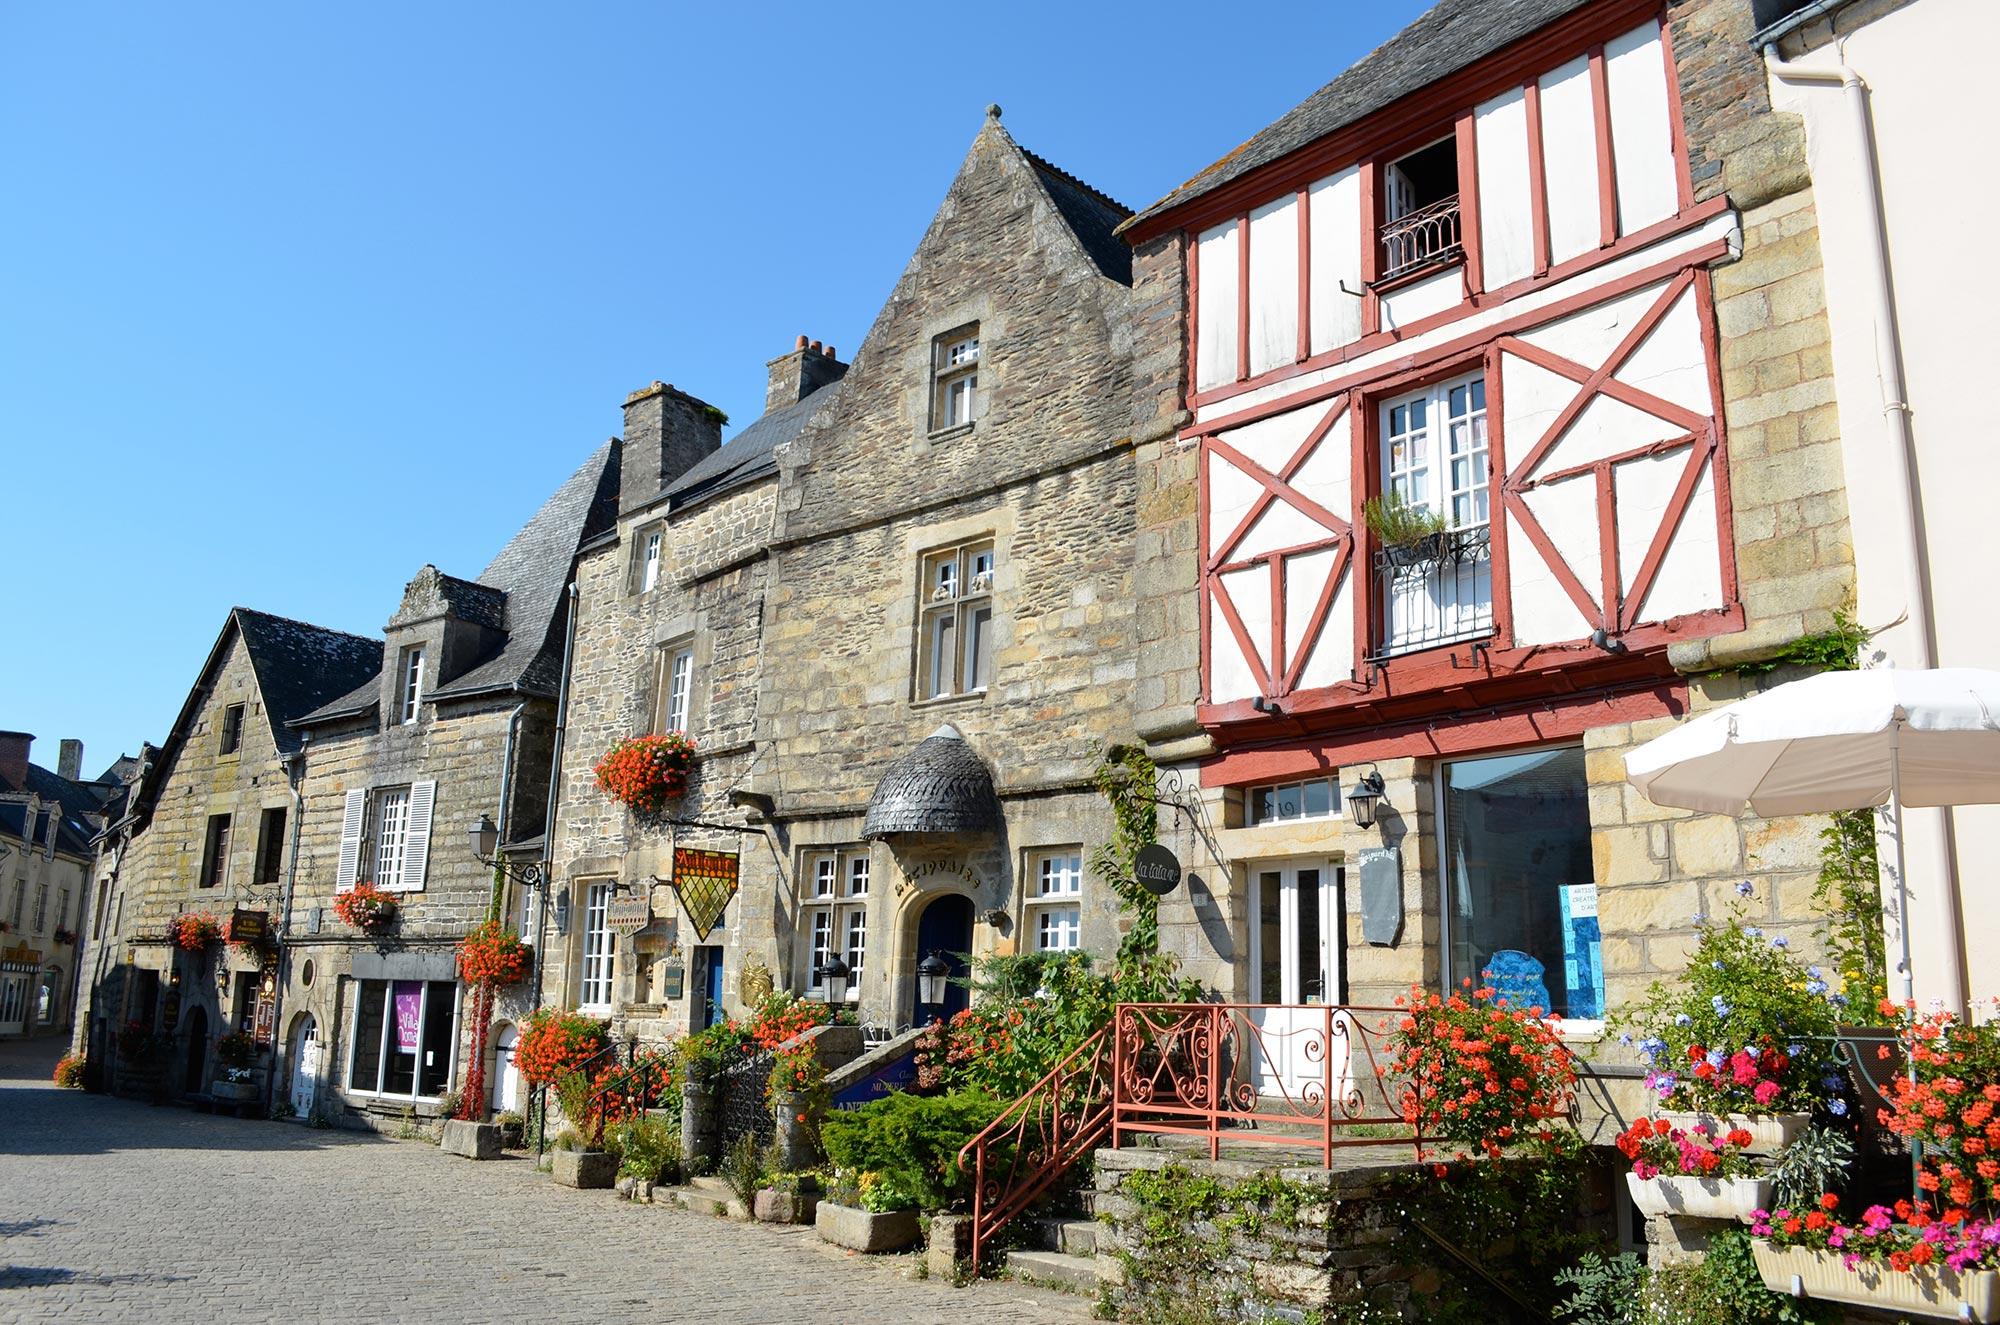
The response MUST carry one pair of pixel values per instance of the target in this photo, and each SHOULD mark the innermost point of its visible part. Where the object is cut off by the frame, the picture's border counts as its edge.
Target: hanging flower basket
(192, 931)
(493, 955)
(647, 772)
(367, 907)
(1921, 1290)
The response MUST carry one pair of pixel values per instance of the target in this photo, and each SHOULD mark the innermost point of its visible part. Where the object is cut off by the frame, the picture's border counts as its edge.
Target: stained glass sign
(704, 881)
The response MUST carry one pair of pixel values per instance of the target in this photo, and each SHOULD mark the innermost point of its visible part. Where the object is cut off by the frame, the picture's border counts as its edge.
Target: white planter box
(1769, 1132)
(1925, 1291)
(1700, 1198)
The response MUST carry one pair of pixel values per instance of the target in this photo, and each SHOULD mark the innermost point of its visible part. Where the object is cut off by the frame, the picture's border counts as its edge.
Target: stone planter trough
(1925, 1291)
(239, 1091)
(1700, 1198)
(472, 1140)
(586, 1168)
(787, 1207)
(1769, 1132)
(865, 1230)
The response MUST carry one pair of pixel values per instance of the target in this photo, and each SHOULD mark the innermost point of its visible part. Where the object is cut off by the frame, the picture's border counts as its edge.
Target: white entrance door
(506, 1077)
(305, 1068)
(13, 1004)
(1295, 939)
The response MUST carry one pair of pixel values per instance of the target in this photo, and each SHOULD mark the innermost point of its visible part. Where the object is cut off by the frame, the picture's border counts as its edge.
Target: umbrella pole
(1903, 932)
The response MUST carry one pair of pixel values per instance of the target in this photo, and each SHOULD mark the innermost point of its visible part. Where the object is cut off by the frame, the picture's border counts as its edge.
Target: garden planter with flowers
(646, 773)
(1769, 1132)
(1920, 1291)
(367, 908)
(193, 931)
(1693, 1172)
(1699, 1198)
(1903, 1259)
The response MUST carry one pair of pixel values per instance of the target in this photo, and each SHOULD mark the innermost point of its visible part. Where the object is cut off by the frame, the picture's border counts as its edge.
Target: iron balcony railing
(1417, 239)
(1436, 591)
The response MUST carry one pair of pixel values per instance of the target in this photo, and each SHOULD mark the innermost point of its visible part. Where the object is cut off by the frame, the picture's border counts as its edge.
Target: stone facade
(47, 867)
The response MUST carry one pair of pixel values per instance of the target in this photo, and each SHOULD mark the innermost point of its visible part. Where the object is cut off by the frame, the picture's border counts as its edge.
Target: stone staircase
(703, 1196)
(1064, 1253)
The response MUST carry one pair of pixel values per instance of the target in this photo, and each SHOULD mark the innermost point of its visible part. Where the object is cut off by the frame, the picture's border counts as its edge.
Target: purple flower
(1745, 888)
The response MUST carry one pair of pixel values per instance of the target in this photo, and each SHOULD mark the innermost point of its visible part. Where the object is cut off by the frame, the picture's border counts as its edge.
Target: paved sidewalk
(115, 1211)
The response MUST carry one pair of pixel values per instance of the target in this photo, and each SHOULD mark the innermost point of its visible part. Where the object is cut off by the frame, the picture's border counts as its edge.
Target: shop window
(834, 915)
(402, 1037)
(1520, 897)
(1315, 798)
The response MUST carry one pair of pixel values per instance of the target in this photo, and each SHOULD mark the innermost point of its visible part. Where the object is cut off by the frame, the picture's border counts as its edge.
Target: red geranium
(1479, 1073)
(366, 907)
(555, 1043)
(191, 931)
(493, 955)
(646, 772)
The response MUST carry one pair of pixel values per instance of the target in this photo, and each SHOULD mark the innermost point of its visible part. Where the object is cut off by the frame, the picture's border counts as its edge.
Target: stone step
(1059, 1269)
(712, 1186)
(698, 1202)
(1078, 1237)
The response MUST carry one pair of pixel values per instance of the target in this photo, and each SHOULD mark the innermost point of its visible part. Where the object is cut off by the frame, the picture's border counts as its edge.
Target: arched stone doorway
(305, 1057)
(944, 928)
(196, 1030)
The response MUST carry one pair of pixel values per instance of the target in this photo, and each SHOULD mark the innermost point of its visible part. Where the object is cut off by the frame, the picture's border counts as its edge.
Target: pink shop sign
(409, 1015)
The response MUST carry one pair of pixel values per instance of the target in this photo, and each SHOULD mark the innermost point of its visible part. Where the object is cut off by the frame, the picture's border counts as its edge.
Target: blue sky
(297, 298)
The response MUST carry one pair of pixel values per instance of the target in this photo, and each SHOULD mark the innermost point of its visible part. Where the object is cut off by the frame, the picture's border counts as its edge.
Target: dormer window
(1420, 210)
(410, 689)
(955, 398)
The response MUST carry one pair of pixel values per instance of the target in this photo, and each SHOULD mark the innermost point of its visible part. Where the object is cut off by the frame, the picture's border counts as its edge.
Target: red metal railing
(1038, 1138)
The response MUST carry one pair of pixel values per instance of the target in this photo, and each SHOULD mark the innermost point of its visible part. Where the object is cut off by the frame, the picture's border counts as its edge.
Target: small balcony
(1438, 590)
(1417, 241)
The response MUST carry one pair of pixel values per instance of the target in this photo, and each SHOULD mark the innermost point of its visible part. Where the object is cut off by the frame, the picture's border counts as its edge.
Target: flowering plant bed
(782, 1017)
(1481, 1074)
(1656, 1147)
(1951, 1106)
(192, 931)
(1748, 1029)
(493, 955)
(555, 1043)
(367, 907)
(646, 772)
(69, 1072)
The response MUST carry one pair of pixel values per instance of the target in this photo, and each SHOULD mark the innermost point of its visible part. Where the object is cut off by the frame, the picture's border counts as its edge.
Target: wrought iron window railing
(1438, 590)
(1417, 239)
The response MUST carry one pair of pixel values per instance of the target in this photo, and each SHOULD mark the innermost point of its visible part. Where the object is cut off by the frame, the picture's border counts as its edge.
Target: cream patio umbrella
(1838, 741)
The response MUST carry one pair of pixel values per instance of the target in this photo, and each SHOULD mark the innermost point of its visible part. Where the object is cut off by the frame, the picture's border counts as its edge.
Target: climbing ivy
(1849, 894)
(1128, 780)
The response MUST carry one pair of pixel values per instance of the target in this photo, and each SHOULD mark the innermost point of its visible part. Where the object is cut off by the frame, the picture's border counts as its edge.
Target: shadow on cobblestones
(37, 1276)
(14, 1228)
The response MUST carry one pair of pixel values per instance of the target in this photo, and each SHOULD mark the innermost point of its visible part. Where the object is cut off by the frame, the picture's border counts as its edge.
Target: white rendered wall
(1335, 206)
(1930, 98)
(1506, 218)
(1569, 160)
(1274, 284)
(1642, 143)
(1215, 316)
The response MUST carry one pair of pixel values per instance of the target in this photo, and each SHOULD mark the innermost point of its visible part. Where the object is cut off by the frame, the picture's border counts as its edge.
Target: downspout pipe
(507, 772)
(1908, 547)
(555, 788)
(295, 773)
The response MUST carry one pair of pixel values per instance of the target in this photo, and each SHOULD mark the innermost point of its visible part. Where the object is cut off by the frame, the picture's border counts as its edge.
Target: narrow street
(115, 1211)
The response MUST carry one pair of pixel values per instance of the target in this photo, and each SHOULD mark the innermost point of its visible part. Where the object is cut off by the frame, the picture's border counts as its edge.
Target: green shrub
(651, 1150)
(742, 1168)
(909, 1144)
(1602, 1290)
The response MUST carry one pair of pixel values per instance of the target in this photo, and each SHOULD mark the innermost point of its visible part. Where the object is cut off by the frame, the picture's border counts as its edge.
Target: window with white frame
(599, 947)
(652, 543)
(1055, 892)
(1315, 798)
(41, 907)
(389, 843)
(402, 1041)
(1434, 556)
(955, 398)
(676, 688)
(834, 915)
(410, 689)
(955, 621)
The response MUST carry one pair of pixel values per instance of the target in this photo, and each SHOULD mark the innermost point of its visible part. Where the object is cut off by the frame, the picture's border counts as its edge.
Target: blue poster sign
(1583, 942)
(890, 1077)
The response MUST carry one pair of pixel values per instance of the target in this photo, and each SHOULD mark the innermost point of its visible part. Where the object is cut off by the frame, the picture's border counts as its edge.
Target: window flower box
(646, 773)
(367, 908)
(1922, 1290)
(1699, 1198)
(865, 1230)
(1769, 1132)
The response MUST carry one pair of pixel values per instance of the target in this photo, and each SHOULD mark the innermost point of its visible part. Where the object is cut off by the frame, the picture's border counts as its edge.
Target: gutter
(507, 771)
(1909, 546)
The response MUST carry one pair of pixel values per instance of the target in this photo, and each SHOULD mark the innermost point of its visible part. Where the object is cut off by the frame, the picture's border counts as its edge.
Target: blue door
(708, 962)
(945, 928)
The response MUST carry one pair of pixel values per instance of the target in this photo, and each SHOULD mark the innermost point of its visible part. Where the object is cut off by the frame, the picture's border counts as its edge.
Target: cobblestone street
(115, 1211)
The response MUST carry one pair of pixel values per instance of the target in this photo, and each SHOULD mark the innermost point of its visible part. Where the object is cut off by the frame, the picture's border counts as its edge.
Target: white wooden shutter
(350, 838)
(417, 842)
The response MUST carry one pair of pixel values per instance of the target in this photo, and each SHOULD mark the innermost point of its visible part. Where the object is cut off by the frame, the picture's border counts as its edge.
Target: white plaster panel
(1567, 512)
(1606, 427)
(1281, 525)
(1506, 219)
(1569, 159)
(1642, 140)
(1250, 590)
(1690, 578)
(1433, 294)
(1334, 218)
(1274, 284)
(1327, 476)
(1543, 613)
(1669, 362)
(1215, 312)
(1274, 441)
(1588, 335)
(1230, 493)
(1533, 397)
(1305, 578)
(1229, 676)
(1332, 658)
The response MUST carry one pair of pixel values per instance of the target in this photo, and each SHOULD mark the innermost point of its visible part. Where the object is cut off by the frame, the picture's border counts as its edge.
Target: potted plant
(1744, 1040)
(1901, 1259)
(234, 1055)
(193, 931)
(1409, 534)
(867, 1211)
(367, 908)
(798, 1096)
(645, 773)
(1480, 1074)
(494, 955)
(1693, 1172)
(894, 1159)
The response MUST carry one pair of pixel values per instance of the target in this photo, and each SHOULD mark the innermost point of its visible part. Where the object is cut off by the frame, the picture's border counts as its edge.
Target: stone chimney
(14, 760)
(666, 431)
(797, 375)
(70, 762)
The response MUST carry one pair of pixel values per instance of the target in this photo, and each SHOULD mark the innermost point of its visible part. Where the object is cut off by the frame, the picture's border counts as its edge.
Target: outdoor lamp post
(833, 974)
(1364, 798)
(932, 972)
(485, 838)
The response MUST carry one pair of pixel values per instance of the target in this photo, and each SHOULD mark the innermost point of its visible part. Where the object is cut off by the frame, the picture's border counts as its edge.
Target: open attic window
(1420, 222)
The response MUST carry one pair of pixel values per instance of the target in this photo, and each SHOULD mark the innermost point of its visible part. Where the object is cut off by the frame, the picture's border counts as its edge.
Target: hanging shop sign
(628, 913)
(265, 1023)
(705, 881)
(1157, 869)
(249, 926)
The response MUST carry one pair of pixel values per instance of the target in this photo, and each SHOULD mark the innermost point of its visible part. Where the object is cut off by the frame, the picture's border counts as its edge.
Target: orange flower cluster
(647, 1083)
(1478, 1073)
(786, 1016)
(555, 1043)
(191, 931)
(366, 907)
(645, 772)
(1951, 1106)
(493, 955)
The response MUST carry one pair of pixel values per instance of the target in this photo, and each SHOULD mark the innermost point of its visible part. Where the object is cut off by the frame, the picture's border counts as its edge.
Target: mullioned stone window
(955, 621)
(956, 401)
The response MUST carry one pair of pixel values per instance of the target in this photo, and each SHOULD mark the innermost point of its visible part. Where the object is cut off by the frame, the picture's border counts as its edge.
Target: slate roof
(1093, 216)
(73, 801)
(472, 601)
(939, 787)
(301, 666)
(1449, 36)
(749, 454)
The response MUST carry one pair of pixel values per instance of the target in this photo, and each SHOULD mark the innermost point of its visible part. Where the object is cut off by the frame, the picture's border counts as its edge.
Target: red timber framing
(1409, 124)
